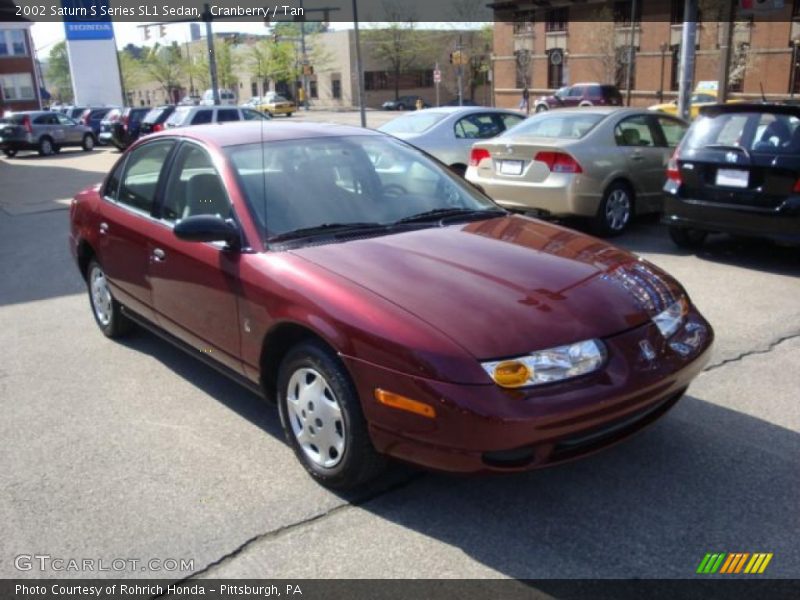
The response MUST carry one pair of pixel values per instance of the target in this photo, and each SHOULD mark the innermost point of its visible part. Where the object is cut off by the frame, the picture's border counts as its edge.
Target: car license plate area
(736, 178)
(510, 167)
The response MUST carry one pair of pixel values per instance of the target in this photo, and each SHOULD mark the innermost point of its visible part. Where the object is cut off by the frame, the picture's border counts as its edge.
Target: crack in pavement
(275, 533)
(284, 529)
(770, 347)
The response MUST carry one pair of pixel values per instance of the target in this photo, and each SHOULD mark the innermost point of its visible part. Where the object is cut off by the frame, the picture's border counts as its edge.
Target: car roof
(463, 109)
(767, 107)
(253, 132)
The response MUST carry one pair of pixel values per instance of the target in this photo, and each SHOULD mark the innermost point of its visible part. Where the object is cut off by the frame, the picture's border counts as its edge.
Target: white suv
(201, 115)
(226, 98)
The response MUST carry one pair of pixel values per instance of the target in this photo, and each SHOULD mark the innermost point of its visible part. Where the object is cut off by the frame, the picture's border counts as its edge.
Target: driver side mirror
(208, 228)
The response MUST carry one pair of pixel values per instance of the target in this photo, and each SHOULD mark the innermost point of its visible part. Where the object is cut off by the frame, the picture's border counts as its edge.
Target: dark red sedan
(386, 305)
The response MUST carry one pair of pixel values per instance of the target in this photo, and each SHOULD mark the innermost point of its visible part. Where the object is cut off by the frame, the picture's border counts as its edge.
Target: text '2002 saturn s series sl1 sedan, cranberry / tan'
(385, 304)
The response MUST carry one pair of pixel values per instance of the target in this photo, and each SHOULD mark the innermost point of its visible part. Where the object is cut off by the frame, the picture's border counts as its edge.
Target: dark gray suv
(44, 131)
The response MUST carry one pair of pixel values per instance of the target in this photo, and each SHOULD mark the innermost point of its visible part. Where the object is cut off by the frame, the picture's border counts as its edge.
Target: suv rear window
(757, 132)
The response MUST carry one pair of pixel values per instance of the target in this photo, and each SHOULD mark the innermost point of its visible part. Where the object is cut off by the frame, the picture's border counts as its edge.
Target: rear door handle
(159, 255)
(103, 228)
(637, 156)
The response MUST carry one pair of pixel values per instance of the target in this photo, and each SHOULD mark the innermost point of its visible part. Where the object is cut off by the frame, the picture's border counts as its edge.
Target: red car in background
(387, 306)
(580, 94)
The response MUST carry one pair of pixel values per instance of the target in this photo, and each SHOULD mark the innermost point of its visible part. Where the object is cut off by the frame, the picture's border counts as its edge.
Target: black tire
(56, 149)
(690, 239)
(288, 115)
(88, 143)
(10, 153)
(45, 146)
(541, 108)
(116, 324)
(358, 462)
(459, 170)
(616, 210)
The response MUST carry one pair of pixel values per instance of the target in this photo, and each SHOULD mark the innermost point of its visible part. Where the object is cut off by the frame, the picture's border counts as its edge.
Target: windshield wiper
(439, 214)
(324, 228)
(728, 147)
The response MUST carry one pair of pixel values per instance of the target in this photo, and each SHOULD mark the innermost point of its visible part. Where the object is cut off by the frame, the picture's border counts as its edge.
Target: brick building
(19, 88)
(571, 42)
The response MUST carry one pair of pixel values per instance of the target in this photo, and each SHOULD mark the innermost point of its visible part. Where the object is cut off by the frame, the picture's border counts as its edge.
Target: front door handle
(159, 255)
(637, 156)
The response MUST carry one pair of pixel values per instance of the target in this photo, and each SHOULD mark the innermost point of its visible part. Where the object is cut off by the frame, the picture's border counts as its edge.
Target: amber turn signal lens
(511, 374)
(403, 403)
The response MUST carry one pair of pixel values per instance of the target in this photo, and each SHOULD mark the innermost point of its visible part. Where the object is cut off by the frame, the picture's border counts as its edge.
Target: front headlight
(546, 366)
(670, 319)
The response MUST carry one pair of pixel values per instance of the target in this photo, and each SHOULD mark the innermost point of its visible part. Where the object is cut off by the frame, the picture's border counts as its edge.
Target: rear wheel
(691, 239)
(10, 153)
(107, 311)
(288, 115)
(541, 108)
(615, 211)
(45, 146)
(88, 143)
(322, 418)
(459, 169)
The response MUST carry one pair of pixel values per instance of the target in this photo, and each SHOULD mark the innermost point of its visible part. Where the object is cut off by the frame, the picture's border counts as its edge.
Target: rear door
(127, 225)
(640, 140)
(73, 133)
(225, 115)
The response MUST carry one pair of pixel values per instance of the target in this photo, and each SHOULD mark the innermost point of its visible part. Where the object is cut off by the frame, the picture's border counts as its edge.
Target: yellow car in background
(704, 95)
(275, 104)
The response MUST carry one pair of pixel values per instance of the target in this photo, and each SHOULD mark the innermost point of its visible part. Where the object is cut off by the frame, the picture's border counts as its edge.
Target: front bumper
(488, 428)
(781, 224)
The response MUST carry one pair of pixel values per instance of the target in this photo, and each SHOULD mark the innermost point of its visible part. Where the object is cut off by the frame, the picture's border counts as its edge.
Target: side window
(510, 120)
(42, 120)
(673, 130)
(477, 127)
(112, 185)
(576, 92)
(252, 115)
(194, 187)
(634, 131)
(227, 114)
(138, 186)
(64, 120)
(202, 117)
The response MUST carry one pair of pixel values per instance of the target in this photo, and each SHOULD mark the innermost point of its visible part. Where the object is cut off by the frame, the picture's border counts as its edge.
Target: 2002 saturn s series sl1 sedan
(385, 304)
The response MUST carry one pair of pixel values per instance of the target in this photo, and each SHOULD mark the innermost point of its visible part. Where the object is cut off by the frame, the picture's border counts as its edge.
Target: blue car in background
(93, 117)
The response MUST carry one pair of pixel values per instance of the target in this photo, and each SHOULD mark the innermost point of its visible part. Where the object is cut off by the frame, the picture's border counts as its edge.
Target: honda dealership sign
(92, 52)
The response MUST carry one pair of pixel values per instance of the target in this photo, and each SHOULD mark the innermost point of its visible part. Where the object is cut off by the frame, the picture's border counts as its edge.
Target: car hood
(504, 286)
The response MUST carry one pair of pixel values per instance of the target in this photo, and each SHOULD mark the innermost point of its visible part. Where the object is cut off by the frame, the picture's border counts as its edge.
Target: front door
(639, 139)
(195, 285)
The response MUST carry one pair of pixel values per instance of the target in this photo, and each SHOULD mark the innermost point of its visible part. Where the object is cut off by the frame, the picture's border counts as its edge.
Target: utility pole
(688, 39)
(793, 72)
(460, 71)
(725, 54)
(359, 67)
(212, 58)
(304, 78)
(631, 51)
(664, 46)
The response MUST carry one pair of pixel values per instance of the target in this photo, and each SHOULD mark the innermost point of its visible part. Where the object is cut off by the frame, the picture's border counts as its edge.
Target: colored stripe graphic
(733, 562)
(711, 563)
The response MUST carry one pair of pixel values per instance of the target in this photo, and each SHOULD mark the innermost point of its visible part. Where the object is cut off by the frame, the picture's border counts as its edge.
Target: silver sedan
(604, 163)
(448, 132)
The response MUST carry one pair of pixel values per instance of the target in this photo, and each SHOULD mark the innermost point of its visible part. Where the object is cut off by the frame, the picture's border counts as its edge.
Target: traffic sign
(437, 76)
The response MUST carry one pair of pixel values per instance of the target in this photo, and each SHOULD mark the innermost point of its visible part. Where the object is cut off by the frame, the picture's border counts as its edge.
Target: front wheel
(10, 153)
(615, 211)
(107, 311)
(683, 237)
(45, 146)
(541, 108)
(88, 143)
(322, 418)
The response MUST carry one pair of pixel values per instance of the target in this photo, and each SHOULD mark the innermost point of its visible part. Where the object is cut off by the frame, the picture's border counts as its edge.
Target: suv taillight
(673, 170)
(559, 162)
(26, 123)
(85, 116)
(157, 127)
(477, 155)
(796, 188)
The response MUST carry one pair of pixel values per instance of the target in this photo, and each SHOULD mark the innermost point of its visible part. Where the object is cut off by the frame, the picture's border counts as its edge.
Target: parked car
(385, 305)
(464, 102)
(105, 135)
(226, 98)
(200, 115)
(404, 103)
(127, 128)
(190, 101)
(580, 94)
(155, 118)
(449, 132)
(737, 171)
(275, 104)
(705, 94)
(254, 102)
(93, 116)
(44, 131)
(607, 164)
(73, 112)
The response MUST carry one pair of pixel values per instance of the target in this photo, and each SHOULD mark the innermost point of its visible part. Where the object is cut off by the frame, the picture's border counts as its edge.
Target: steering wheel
(394, 190)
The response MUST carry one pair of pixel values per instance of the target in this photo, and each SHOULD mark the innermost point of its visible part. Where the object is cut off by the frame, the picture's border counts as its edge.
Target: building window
(675, 68)
(556, 19)
(17, 86)
(523, 22)
(384, 80)
(622, 13)
(312, 88)
(796, 9)
(12, 42)
(555, 68)
(336, 89)
(376, 80)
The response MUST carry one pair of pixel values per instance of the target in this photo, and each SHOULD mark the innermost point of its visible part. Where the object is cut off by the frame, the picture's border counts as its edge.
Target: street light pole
(631, 50)
(688, 39)
(359, 67)
(304, 78)
(793, 72)
(212, 60)
(663, 48)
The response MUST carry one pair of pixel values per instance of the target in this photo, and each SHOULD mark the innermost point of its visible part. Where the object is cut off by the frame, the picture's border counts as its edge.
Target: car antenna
(763, 97)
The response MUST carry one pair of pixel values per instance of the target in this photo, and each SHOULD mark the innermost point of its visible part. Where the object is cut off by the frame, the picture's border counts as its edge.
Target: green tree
(164, 65)
(58, 72)
(227, 62)
(131, 70)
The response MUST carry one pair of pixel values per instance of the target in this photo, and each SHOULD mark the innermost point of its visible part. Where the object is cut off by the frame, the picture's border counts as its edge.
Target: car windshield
(154, 114)
(558, 126)
(297, 185)
(412, 122)
(757, 132)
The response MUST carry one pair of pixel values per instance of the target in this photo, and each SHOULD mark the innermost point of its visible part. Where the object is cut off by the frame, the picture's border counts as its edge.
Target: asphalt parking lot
(133, 450)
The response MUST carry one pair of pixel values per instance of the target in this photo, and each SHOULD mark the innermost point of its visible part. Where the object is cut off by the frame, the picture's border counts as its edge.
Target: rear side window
(112, 186)
(142, 170)
(477, 127)
(634, 131)
(227, 114)
(557, 126)
(200, 118)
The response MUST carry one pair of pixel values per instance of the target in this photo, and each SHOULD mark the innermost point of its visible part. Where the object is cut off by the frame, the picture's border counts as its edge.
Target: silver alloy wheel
(315, 417)
(88, 142)
(47, 147)
(618, 209)
(101, 296)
